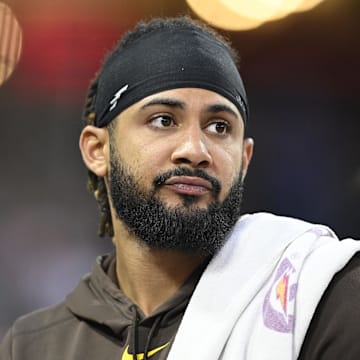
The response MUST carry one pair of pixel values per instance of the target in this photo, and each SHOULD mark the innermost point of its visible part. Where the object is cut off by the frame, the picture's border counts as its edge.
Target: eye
(162, 121)
(219, 127)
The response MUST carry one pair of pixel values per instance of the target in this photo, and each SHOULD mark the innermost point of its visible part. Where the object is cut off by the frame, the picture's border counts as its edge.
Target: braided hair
(96, 184)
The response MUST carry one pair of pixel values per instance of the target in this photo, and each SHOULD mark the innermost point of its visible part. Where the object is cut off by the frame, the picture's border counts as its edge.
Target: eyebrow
(217, 108)
(165, 101)
(173, 103)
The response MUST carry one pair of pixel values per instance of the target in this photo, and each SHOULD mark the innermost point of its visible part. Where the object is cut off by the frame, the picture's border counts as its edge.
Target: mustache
(181, 171)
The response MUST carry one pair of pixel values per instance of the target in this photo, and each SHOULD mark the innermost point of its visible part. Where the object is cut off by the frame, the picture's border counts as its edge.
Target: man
(166, 150)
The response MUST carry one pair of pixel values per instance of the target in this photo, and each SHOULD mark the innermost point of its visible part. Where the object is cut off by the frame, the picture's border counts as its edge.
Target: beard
(186, 227)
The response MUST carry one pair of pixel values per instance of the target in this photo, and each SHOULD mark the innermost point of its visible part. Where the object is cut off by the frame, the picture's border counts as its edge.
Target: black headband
(166, 59)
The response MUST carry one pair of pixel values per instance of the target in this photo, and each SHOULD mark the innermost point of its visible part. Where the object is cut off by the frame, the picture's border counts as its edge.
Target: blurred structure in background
(10, 42)
(303, 81)
(245, 14)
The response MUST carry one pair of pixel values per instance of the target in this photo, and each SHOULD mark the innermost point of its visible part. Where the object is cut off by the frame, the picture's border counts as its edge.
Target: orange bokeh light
(245, 14)
(10, 42)
(217, 14)
(262, 10)
(308, 5)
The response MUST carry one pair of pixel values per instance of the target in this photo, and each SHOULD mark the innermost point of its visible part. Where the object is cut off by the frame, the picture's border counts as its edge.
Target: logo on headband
(116, 97)
(241, 103)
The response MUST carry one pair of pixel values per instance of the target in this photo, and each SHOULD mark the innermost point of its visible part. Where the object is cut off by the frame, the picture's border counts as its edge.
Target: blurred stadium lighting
(10, 42)
(217, 14)
(308, 5)
(263, 10)
(245, 14)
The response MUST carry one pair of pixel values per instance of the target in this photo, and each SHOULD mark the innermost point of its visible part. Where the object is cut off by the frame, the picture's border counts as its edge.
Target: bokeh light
(263, 10)
(244, 14)
(10, 42)
(308, 5)
(217, 14)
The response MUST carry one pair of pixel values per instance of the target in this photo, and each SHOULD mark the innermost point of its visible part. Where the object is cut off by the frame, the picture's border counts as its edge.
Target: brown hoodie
(97, 321)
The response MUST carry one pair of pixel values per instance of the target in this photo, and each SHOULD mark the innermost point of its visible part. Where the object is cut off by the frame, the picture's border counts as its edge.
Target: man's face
(177, 162)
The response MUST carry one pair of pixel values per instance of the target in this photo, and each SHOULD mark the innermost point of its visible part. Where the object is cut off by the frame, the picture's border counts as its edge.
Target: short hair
(96, 184)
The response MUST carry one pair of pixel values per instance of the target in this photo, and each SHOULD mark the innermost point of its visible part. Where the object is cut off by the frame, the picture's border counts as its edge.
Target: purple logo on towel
(278, 307)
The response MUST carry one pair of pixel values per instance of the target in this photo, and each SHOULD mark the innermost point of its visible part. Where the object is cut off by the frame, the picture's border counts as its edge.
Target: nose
(192, 150)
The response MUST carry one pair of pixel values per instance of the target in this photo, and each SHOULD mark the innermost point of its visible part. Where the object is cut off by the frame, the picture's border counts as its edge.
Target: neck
(150, 276)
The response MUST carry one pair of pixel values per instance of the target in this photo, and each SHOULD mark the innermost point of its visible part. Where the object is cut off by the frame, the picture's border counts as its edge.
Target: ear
(247, 152)
(94, 149)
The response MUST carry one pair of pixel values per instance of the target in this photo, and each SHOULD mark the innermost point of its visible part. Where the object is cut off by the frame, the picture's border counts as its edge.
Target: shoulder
(36, 323)
(34, 328)
(275, 226)
(42, 319)
(334, 328)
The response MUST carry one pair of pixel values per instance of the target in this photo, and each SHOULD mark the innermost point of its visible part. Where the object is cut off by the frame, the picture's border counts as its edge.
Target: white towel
(257, 296)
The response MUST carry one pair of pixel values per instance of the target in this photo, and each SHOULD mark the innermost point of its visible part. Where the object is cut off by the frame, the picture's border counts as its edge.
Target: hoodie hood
(98, 300)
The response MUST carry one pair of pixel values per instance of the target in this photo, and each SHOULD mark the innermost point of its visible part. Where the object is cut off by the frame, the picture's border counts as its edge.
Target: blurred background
(303, 81)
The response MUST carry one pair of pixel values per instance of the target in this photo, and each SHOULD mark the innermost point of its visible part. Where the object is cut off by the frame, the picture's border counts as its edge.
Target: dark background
(303, 81)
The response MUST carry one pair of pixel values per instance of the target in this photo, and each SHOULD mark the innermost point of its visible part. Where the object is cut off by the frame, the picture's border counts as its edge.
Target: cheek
(144, 158)
(151, 156)
(229, 165)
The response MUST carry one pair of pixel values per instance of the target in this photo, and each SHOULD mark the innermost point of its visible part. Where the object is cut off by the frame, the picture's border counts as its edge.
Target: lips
(189, 185)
